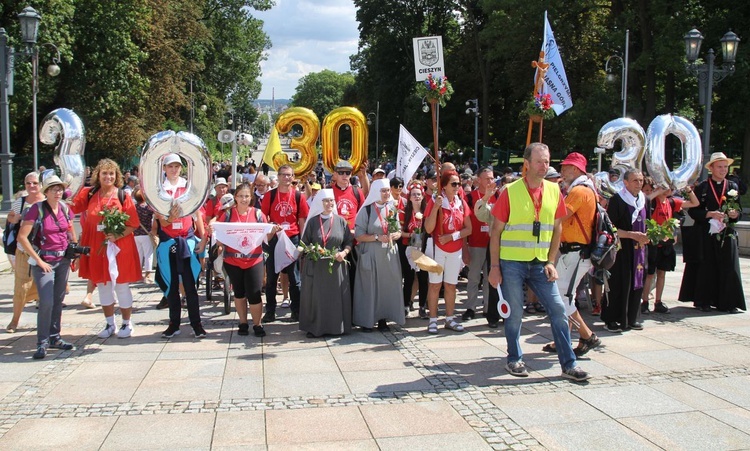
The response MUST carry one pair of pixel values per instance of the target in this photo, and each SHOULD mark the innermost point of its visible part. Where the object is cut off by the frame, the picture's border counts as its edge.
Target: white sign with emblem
(428, 57)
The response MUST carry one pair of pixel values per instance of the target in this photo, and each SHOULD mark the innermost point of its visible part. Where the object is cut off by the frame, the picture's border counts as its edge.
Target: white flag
(410, 155)
(555, 81)
(285, 253)
(243, 236)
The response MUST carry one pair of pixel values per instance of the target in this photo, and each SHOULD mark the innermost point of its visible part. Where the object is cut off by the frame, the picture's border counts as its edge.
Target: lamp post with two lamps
(29, 20)
(709, 75)
(377, 125)
(624, 76)
(473, 105)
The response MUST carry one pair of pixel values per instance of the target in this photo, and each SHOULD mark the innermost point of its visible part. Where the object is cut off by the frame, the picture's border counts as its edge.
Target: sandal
(432, 328)
(539, 307)
(11, 328)
(549, 347)
(454, 326)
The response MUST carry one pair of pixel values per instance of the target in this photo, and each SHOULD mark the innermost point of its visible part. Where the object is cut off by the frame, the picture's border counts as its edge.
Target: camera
(75, 251)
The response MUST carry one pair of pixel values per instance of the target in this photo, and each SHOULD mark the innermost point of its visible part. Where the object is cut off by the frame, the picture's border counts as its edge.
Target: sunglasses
(455, 184)
(399, 186)
(344, 172)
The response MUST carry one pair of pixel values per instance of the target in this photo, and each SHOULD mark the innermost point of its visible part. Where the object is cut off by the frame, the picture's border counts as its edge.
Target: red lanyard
(537, 205)
(723, 189)
(323, 233)
(383, 224)
(247, 215)
(106, 203)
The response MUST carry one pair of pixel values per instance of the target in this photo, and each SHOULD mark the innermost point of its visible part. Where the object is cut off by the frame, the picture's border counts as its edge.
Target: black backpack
(10, 234)
(603, 243)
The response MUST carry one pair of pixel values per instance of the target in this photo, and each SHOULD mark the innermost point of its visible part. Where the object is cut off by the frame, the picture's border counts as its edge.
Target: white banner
(410, 155)
(244, 237)
(428, 57)
(285, 253)
(555, 81)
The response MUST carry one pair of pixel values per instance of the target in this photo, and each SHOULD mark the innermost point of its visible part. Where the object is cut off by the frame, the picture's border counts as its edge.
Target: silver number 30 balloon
(637, 145)
(199, 172)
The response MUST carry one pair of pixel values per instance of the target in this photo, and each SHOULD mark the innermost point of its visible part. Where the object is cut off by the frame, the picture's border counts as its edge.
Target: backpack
(120, 194)
(603, 243)
(36, 237)
(10, 234)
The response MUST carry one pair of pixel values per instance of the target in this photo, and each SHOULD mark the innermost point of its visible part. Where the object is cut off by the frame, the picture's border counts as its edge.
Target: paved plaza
(682, 383)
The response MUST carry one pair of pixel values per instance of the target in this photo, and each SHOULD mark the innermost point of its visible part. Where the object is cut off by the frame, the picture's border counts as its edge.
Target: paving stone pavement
(402, 389)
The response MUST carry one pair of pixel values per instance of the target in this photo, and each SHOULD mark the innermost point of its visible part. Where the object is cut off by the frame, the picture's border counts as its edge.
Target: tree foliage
(322, 91)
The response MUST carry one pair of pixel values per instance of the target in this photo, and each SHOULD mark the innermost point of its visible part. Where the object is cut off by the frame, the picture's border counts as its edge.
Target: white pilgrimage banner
(410, 155)
(243, 236)
(555, 80)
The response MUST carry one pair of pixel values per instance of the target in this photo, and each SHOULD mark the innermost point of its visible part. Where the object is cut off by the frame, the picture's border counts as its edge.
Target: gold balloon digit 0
(330, 140)
(305, 143)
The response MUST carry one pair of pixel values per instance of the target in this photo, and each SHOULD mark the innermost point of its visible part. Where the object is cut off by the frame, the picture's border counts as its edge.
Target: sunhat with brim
(221, 181)
(718, 156)
(576, 160)
(51, 181)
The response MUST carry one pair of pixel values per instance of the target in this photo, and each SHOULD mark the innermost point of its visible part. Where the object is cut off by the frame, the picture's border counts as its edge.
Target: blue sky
(306, 36)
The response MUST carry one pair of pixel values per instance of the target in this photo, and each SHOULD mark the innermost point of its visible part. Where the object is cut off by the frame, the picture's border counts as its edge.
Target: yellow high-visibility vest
(517, 242)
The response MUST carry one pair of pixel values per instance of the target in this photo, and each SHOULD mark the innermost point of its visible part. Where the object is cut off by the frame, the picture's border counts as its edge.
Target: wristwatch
(376, 237)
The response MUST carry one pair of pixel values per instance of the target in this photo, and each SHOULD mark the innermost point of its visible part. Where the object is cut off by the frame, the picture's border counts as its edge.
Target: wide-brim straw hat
(51, 181)
(718, 156)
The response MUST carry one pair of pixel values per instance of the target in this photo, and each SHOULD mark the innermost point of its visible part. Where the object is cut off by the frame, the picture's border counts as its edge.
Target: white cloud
(306, 36)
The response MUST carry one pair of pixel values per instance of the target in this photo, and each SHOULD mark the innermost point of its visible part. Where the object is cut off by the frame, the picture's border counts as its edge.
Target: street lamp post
(29, 20)
(709, 75)
(624, 76)
(473, 105)
(377, 125)
(53, 70)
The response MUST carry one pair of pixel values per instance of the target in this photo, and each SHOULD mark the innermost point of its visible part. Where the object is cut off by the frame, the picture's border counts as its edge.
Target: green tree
(322, 91)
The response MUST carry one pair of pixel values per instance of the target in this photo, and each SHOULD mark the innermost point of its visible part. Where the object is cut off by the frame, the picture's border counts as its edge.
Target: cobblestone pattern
(471, 402)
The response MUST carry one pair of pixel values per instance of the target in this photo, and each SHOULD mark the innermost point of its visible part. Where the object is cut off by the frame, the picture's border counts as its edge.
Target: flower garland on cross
(437, 91)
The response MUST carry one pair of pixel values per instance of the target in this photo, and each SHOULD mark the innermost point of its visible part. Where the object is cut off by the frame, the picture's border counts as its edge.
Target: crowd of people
(524, 238)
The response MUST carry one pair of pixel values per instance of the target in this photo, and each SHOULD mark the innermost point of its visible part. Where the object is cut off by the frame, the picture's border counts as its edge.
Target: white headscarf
(316, 206)
(374, 194)
(638, 203)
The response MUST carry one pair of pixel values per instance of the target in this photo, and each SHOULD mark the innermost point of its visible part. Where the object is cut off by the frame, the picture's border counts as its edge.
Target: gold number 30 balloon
(305, 144)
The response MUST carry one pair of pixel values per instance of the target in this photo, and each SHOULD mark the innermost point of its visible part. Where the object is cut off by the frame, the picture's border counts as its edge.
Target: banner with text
(244, 237)
(555, 81)
(410, 155)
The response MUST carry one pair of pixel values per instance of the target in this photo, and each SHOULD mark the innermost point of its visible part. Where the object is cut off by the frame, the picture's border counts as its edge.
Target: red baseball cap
(575, 159)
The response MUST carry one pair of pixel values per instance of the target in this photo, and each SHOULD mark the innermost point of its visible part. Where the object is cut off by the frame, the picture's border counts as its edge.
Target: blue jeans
(51, 287)
(515, 274)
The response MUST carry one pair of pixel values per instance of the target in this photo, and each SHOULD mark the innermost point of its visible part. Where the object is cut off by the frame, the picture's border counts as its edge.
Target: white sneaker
(126, 330)
(107, 332)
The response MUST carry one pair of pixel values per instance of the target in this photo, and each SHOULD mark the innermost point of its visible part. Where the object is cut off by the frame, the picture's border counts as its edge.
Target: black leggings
(408, 274)
(246, 283)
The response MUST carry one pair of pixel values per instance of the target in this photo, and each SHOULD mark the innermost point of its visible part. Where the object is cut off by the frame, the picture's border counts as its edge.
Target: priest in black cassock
(718, 283)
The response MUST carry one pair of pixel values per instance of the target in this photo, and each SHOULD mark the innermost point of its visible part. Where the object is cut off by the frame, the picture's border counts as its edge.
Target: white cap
(172, 158)
(221, 181)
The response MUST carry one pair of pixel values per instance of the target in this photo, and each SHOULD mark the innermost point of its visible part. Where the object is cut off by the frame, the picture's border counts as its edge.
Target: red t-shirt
(347, 203)
(663, 210)
(285, 210)
(244, 263)
(501, 210)
(181, 226)
(480, 231)
(452, 221)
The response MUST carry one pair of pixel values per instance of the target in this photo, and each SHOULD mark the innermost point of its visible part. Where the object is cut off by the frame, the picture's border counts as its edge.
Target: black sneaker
(295, 316)
(637, 326)
(613, 327)
(41, 352)
(468, 315)
(61, 344)
(576, 374)
(259, 331)
(423, 313)
(660, 307)
(644, 307)
(244, 329)
(162, 304)
(199, 331)
(269, 317)
(171, 331)
(493, 324)
(383, 326)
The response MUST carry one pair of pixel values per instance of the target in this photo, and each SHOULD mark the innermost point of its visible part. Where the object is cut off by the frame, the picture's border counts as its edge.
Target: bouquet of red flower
(540, 105)
(435, 89)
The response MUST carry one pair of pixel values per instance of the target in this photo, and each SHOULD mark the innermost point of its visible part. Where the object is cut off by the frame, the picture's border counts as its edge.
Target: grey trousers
(51, 288)
(476, 267)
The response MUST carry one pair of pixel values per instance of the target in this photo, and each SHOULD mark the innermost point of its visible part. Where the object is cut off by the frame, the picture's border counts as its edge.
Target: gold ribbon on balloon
(330, 140)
